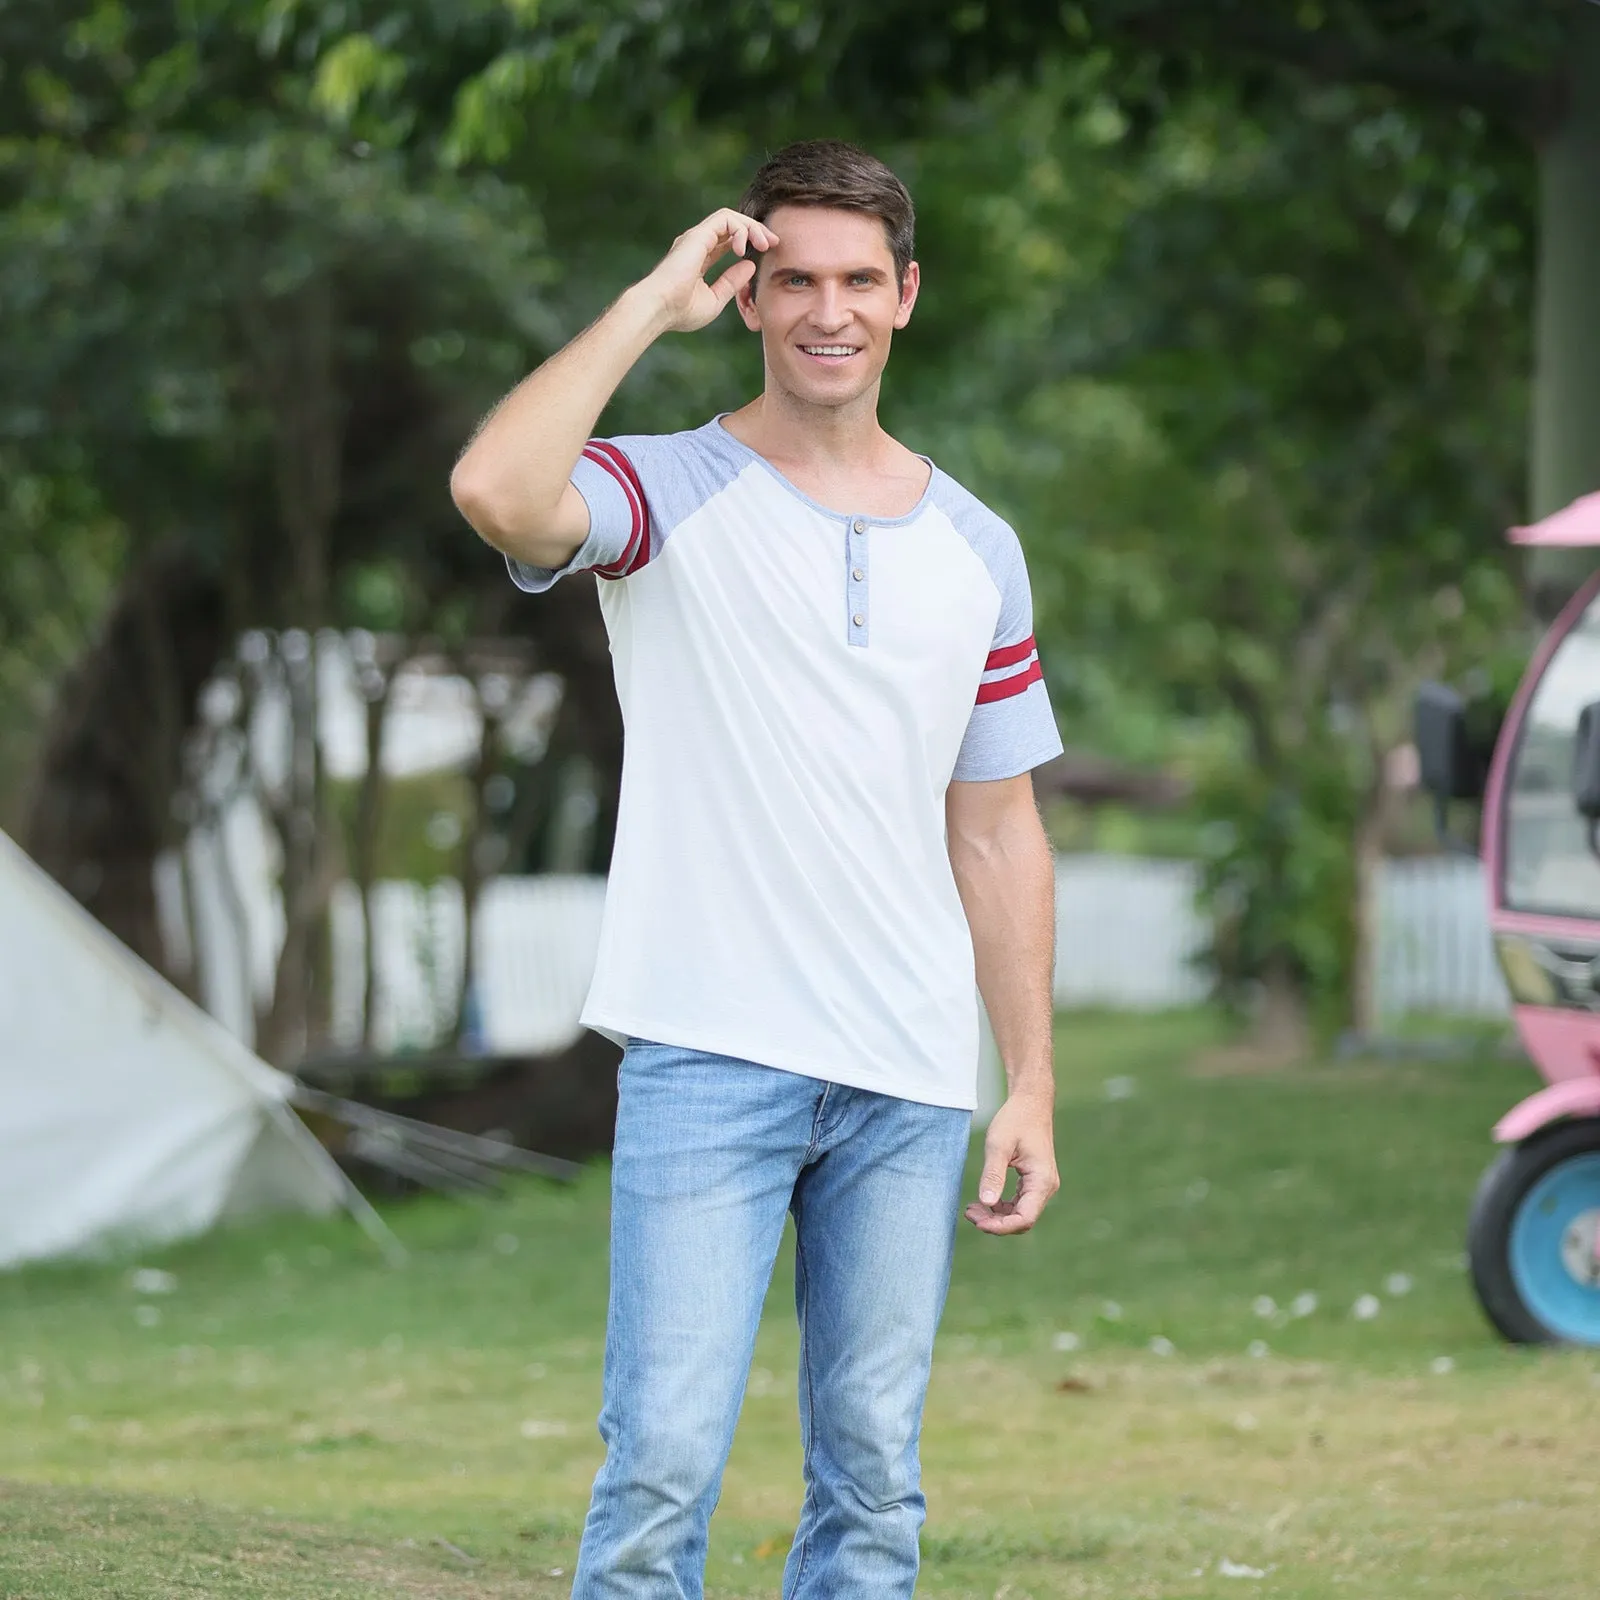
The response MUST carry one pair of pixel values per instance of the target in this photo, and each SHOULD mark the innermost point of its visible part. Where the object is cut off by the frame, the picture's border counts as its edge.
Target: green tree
(256, 352)
(1528, 73)
(1251, 282)
(250, 323)
(1258, 394)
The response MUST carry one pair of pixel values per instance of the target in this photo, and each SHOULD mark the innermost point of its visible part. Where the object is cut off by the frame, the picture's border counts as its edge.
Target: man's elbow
(999, 844)
(506, 516)
(475, 498)
(499, 519)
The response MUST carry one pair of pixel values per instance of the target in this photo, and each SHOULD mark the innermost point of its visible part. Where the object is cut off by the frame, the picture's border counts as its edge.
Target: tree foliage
(1227, 305)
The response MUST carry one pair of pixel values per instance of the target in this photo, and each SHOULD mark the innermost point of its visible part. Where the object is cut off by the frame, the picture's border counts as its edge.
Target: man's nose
(829, 311)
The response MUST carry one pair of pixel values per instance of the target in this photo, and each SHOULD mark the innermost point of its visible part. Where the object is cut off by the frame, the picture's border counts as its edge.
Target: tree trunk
(100, 802)
(293, 346)
(1380, 805)
(379, 692)
(1281, 1028)
(1565, 447)
(479, 857)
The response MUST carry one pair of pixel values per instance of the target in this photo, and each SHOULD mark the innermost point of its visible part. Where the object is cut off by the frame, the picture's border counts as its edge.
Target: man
(824, 655)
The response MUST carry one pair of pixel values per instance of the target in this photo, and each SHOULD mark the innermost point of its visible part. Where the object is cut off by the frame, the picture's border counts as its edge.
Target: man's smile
(830, 354)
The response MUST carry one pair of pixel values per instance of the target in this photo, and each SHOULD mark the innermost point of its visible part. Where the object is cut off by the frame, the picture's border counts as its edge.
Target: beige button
(859, 620)
(860, 526)
(857, 574)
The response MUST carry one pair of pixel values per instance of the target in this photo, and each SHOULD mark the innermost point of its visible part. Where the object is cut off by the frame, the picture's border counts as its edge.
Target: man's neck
(784, 429)
(836, 455)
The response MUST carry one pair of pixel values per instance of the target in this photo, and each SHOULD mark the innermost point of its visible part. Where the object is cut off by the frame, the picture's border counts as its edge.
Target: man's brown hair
(829, 172)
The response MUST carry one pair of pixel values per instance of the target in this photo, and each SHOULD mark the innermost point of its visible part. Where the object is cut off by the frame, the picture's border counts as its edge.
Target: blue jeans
(710, 1153)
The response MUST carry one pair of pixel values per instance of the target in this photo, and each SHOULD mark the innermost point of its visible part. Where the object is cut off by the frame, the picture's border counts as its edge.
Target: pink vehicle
(1534, 1235)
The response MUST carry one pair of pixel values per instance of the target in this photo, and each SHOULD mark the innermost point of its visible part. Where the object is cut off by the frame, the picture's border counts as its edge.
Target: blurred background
(1262, 321)
(1234, 312)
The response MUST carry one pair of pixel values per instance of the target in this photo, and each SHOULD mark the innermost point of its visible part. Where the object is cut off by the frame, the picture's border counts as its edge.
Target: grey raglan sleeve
(619, 520)
(1012, 729)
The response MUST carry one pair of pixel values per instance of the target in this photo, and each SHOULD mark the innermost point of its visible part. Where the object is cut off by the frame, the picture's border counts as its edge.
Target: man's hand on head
(678, 283)
(1022, 1135)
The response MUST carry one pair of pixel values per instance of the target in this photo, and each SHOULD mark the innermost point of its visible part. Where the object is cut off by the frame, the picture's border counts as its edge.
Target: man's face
(826, 303)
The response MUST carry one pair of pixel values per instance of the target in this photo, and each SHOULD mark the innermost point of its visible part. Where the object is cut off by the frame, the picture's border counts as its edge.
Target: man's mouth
(833, 354)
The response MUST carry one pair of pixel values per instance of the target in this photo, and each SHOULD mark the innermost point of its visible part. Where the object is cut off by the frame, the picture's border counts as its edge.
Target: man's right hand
(513, 481)
(678, 284)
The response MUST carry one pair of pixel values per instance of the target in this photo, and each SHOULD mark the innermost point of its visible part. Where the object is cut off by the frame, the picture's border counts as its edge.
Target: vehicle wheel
(1531, 1238)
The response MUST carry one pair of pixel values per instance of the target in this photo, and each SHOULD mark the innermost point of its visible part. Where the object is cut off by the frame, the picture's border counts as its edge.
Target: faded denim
(710, 1154)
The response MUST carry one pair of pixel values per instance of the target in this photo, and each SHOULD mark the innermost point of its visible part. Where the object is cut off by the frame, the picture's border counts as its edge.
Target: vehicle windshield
(1548, 864)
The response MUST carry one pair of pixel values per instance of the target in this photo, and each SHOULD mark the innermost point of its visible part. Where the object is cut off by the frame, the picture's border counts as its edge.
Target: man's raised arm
(513, 481)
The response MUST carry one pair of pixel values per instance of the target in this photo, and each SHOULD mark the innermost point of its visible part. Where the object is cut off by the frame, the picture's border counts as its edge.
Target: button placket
(857, 591)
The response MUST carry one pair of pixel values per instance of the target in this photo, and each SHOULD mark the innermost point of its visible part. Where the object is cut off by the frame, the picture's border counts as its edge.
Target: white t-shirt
(799, 686)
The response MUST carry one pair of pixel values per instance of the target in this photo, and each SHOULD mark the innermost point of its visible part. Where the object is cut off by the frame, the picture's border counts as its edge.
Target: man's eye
(796, 280)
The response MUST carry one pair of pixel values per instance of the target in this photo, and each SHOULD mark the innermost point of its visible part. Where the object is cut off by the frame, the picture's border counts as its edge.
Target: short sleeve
(619, 520)
(1012, 729)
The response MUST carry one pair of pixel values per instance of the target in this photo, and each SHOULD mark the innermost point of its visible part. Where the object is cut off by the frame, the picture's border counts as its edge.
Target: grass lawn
(1111, 1416)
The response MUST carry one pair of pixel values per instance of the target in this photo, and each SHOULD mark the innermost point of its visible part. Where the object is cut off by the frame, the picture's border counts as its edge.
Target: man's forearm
(511, 478)
(1007, 884)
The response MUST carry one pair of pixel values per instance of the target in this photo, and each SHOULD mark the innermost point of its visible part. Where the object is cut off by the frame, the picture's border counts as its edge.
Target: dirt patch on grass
(1247, 1058)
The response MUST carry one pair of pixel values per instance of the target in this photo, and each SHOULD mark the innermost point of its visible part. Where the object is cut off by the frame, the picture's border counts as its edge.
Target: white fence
(1434, 952)
(537, 939)
(1127, 931)
(1128, 935)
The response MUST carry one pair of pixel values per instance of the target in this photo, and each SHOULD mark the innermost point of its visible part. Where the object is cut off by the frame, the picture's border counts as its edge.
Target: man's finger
(1002, 1221)
(719, 245)
(1038, 1184)
(738, 219)
(993, 1181)
(724, 224)
(758, 233)
(732, 281)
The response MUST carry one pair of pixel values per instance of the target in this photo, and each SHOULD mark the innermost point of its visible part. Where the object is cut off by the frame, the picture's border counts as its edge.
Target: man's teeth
(829, 349)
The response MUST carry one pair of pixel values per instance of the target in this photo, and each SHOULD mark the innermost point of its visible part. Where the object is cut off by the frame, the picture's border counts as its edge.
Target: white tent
(127, 1115)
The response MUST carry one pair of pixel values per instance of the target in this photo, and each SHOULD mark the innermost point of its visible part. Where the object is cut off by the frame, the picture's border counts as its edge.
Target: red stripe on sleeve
(618, 568)
(621, 468)
(1008, 655)
(1004, 688)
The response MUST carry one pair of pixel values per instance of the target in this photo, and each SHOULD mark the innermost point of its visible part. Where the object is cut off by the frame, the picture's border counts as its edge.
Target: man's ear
(908, 294)
(745, 299)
